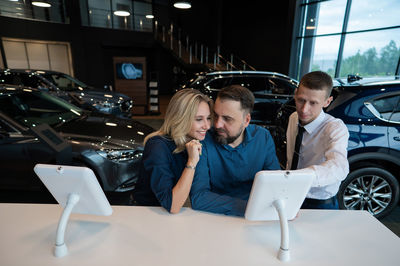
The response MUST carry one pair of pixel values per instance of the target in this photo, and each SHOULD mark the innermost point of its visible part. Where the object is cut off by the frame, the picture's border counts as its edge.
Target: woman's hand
(181, 190)
(193, 149)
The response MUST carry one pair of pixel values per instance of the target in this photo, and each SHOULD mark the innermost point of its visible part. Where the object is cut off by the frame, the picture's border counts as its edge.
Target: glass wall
(117, 14)
(49, 10)
(345, 37)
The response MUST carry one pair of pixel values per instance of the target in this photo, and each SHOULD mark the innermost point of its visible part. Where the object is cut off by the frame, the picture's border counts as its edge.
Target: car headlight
(120, 155)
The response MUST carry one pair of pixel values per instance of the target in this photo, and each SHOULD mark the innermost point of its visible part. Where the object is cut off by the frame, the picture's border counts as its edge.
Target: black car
(110, 146)
(70, 89)
(270, 89)
(370, 108)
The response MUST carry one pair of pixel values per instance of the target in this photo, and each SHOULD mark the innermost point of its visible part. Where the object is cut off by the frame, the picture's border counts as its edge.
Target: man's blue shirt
(224, 175)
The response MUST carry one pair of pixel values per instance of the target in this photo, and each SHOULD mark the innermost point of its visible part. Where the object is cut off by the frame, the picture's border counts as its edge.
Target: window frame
(298, 67)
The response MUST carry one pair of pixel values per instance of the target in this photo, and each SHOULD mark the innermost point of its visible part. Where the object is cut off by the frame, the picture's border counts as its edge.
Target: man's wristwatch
(190, 167)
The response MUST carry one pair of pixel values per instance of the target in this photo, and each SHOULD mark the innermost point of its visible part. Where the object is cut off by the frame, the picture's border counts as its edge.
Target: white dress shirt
(324, 150)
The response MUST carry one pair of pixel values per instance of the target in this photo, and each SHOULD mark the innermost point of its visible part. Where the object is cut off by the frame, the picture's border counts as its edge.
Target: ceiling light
(182, 5)
(41, 4)
(149, 16)
(122, 13)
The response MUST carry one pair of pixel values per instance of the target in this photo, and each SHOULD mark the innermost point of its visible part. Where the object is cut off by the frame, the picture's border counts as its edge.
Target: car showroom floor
(392, 221)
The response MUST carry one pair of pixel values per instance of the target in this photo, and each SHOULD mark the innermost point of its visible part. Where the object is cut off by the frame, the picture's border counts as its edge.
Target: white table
(151, 236)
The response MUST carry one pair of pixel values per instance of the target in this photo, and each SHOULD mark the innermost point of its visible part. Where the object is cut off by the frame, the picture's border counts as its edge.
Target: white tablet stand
(77, 190)
(278, 195)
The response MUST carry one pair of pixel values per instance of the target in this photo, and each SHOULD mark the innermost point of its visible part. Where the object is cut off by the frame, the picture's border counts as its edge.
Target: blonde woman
(171, 154)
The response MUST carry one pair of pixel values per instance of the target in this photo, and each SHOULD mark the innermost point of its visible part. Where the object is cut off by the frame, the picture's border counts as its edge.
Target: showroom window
(345, 37)
(49, 10)
(117, 14)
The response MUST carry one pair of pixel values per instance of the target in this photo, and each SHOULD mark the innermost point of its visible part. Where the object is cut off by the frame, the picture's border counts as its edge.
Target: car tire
(372, 188)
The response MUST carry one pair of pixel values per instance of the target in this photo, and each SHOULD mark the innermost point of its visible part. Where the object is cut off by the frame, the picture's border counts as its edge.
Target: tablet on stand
(77, 190)
(278, 195)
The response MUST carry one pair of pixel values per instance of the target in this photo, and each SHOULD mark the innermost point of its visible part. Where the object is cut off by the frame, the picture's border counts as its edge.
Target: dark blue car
(371, 111)
(70, 89)
(112, 147)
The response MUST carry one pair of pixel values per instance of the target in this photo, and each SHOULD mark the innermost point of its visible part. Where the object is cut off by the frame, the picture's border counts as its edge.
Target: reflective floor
(392, 221)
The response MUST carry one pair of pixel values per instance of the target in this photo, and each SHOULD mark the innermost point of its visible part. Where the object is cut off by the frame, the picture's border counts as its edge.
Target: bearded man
(233, 151)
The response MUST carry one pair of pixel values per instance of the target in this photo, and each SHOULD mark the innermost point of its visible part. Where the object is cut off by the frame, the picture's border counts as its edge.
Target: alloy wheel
(368, 192)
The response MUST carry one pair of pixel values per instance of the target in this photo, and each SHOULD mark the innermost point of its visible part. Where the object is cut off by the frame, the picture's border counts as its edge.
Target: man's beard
(226, 140)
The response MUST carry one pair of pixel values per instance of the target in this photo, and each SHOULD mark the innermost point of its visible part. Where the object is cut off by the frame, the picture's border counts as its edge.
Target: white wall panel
(15, 54)
(38, 56)
(59, 58)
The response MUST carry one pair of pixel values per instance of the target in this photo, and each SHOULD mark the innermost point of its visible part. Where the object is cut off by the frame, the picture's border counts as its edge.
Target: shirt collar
(310, 127)
(246, 139)
(247, 135)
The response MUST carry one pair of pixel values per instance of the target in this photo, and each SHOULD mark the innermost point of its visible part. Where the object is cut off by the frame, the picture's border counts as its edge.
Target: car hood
(104, 128)
(98, 94)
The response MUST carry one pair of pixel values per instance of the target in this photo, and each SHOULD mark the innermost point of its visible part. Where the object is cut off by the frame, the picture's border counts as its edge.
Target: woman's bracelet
(190, 167)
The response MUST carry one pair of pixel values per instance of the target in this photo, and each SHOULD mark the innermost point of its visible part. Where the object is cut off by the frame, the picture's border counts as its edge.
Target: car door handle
(396, 138)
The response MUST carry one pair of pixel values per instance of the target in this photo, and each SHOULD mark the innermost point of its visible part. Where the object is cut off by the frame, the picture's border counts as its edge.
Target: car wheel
(373, 189)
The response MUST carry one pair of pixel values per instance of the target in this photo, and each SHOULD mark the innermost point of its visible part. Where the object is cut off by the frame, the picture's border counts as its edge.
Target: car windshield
(196, 82)
(32, 108)
(65, 82)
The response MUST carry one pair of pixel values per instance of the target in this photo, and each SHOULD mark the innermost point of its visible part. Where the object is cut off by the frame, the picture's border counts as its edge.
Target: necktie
(297, 145)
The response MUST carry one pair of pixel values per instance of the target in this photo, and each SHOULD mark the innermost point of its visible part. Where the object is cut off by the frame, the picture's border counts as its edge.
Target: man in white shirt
(323, 147)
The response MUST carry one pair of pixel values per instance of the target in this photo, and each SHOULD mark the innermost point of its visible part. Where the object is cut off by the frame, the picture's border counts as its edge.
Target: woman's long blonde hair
(180, 115)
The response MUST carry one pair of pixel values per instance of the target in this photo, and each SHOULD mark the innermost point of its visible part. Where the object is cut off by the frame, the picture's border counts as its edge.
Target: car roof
(370, 81)
(248, 72)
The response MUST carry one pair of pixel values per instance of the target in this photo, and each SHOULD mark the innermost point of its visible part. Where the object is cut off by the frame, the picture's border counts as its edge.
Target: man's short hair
(317, 80)
(240, 94)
